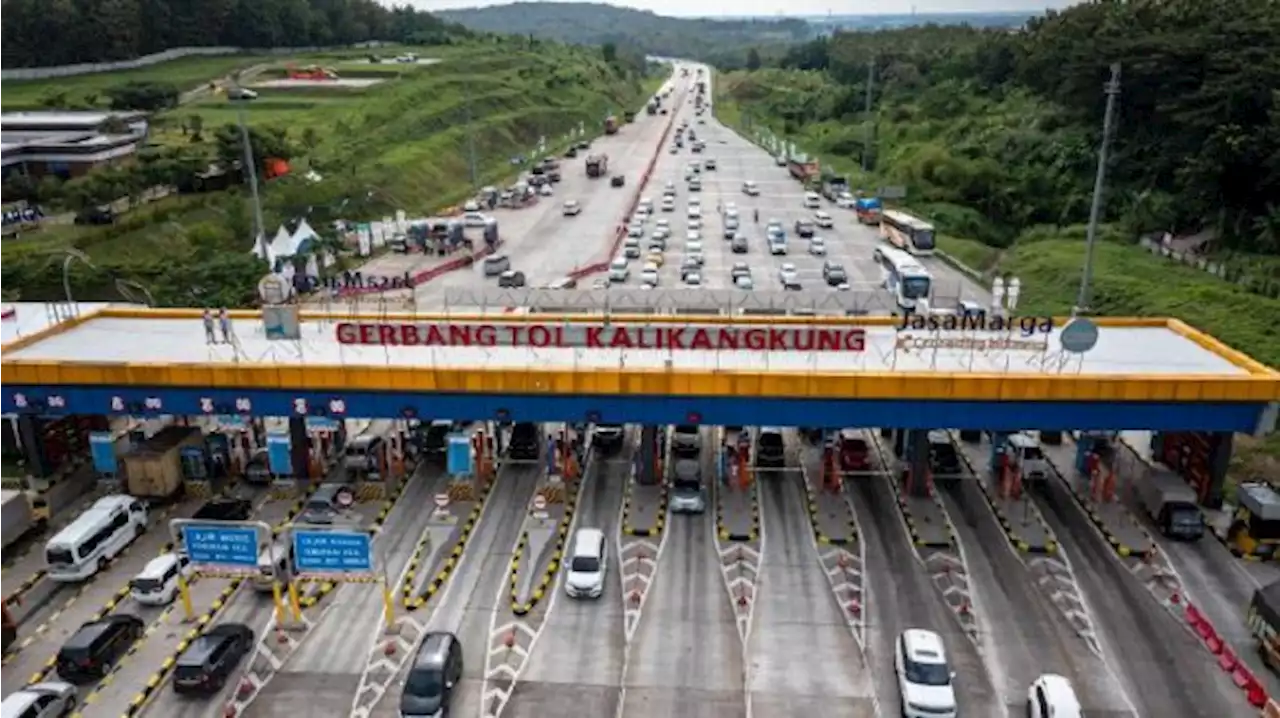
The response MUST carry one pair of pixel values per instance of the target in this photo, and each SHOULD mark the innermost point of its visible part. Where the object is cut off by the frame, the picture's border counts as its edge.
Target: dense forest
(720, 42)
(38, 33)
(1001, 129)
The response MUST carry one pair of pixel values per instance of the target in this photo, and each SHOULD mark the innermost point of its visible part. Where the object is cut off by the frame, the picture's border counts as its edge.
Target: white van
(274, 563)
(1026, 455)
(98, 535)
(588, 562)
(618, 270)
(157, 583)
(812, 200)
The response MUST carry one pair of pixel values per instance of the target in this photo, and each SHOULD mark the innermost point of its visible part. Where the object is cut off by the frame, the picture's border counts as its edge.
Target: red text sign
(618, 336)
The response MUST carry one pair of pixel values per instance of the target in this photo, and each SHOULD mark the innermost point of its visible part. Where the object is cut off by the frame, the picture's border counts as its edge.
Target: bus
(96, 537)
(904, 277)
(907, 233)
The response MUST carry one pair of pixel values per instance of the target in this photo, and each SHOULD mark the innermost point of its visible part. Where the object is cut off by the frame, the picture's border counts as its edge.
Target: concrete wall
(44, 73)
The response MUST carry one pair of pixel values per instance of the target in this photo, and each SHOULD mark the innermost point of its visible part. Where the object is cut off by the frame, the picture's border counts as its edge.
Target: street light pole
(1112, 90)
(259, 226)
(72, 255)
(471, 149)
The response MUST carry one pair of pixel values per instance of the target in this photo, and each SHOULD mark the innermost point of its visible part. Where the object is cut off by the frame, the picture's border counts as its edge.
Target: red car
(855, 453)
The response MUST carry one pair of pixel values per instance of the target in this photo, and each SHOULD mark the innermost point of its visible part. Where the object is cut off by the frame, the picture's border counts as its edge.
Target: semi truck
(802, 168)
(597, 165)
(20, 515)
(611, 125)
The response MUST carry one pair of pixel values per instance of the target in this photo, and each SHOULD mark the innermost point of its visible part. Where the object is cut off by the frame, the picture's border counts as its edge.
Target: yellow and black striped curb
(407, 598)
(461, 491)
(557, 554)
(156, 680)
(917, 540)
(198, 489)
(1114, 541)
(15, 597)
(554, 494)
(659, 524)
(1050, 543)
(724, 532)
(371, 491)
(818, 535)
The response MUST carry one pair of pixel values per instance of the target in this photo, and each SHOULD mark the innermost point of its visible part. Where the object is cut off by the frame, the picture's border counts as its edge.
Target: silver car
(41, 700)
(687, 495)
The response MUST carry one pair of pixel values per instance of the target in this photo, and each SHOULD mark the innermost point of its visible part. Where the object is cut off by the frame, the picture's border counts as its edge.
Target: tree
(265, 142)
(609, 51)
(146, 96)
(195, 124)
(753, 59)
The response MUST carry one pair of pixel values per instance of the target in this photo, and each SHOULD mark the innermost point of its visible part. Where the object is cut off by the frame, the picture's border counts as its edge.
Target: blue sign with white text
(333, 552)
(208, 544)
(103, 447)
(278, 456)
(459, 457)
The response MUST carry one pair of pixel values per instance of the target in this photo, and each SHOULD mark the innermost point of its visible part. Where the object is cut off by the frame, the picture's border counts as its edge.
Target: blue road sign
(102, 445)
(208, 544)
(333, 552)
(459, 457)
(278, 454)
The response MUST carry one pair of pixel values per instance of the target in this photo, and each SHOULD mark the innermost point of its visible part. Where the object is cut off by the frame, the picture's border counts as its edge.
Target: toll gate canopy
(656, 369)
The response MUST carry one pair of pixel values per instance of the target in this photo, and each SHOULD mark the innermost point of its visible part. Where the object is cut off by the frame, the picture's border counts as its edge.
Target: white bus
(904, 277)
(98, 535)
(906, 232)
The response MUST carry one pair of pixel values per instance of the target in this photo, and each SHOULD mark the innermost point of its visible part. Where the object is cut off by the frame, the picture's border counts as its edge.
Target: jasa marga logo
(984, 332)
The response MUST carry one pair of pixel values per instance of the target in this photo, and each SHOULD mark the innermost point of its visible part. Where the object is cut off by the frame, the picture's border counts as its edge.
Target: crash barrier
(1228, 661)
(427, 275)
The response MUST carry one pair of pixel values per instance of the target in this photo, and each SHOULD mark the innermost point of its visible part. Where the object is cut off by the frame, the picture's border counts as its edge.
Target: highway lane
(546, 245)
(576, 666)
(325, 671)
(1024, 634)
(1144, 645)
(802, 658)
(900, 596)
(686, 658)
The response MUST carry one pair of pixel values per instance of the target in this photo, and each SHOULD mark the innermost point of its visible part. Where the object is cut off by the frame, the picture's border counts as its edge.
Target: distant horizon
(786, 9)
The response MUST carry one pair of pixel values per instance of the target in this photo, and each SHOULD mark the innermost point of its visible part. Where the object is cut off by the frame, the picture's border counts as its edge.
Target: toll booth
(1101, 444)
(1199, 457)
(1255, 525)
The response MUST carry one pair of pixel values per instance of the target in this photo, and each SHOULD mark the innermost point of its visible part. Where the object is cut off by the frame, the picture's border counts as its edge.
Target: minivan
(207, 662)
(157, 583)
(362, 455)
(434, 673)
(686, 441)
(275, 564)
(325, 504)
(770, 448)
(588, 561)
(96, 646)
(525, 442)
(618, 270)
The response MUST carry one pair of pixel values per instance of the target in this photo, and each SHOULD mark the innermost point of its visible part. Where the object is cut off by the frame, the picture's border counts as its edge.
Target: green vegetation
(725, 43)
(88, 91)
(995, 137)
(400, 144)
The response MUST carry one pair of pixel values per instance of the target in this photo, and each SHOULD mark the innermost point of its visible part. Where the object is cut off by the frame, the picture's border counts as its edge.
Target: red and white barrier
(1228, 661)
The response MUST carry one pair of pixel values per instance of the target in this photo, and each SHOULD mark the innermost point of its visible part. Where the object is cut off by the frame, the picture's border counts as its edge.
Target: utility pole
(868, 128)
(259, 227)
(1112, 90)
(471, 149)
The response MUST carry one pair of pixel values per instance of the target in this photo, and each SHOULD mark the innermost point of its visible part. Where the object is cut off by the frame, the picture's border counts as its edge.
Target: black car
(618, 181)
(836, 277)
(771, 449)
(211, 658)
(526, 441)
(607, 437)
(435, 672)
(805, 228)
(224, 509)
(943, 459)
(571, 152)
(436, 437)
(91, 651)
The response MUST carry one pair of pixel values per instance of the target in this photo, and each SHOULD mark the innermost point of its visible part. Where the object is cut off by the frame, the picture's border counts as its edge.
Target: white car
(572, 208)
(693, 246)
(546, 191)
(744, 281)
(695, 224)
(645, 205)
(649, 277)
(474, 219)
(471, 206)
(669, 189)
(668, 204)
(46, 699)
(587, 564)
(695, 202)
(823, 220)
(924, 676)
(663, 223)
(693, 279)
(635, 231)
(1051, 696)
(694, 211)
(692, 235)
(846, 201)
(751, 189)
(818, 247)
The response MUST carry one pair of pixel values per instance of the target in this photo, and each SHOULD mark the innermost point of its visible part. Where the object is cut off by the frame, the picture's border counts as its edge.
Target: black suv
(834, 274)
(435, 672)
(618, 181)
(525, 442)
(608, 437)
(96, 646)
(943, 459)
(435, 438)
(209, 660)
(224, 509)
(686, 441)
(771, 448)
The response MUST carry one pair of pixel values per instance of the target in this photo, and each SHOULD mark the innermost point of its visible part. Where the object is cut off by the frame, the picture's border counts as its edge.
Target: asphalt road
(576, 666)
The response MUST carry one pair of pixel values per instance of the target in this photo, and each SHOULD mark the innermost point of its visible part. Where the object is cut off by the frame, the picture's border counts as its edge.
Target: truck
(1263, 620)
(802, 168)
(611, 125)
(868, 210)
(597, 165)
(157, 467)
(833, 186)
(652, 108)
(1172, 504)
(19, 515)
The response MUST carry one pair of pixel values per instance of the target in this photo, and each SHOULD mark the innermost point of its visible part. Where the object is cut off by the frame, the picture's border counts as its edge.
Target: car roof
(923, 646)
(156, 567)
(1061, 695)
(433, 650)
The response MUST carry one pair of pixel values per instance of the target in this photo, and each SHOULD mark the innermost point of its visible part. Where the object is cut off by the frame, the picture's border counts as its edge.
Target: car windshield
(146, 585)
(915, 287)
(425, 682)
(928, 674)
(59, 556)
(771, 441)
(585, 564)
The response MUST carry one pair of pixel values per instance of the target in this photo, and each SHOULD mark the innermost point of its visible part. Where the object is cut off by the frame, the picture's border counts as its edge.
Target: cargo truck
(833, 186)
(1263, 620)
(157, 467)
(868, 210)
(802, 168)
(20, 515)
(597, 165)
(1172, 504)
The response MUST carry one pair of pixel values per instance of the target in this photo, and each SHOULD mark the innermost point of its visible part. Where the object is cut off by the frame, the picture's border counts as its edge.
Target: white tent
(282, 245)
(262, 250)
(302, 235)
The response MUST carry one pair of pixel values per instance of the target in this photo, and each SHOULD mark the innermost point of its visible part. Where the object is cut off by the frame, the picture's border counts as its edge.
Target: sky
(711, 8)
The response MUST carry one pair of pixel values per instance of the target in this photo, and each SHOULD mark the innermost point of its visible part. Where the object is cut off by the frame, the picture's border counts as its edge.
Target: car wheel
(139, 530)
(103, 563)
(70, 707)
